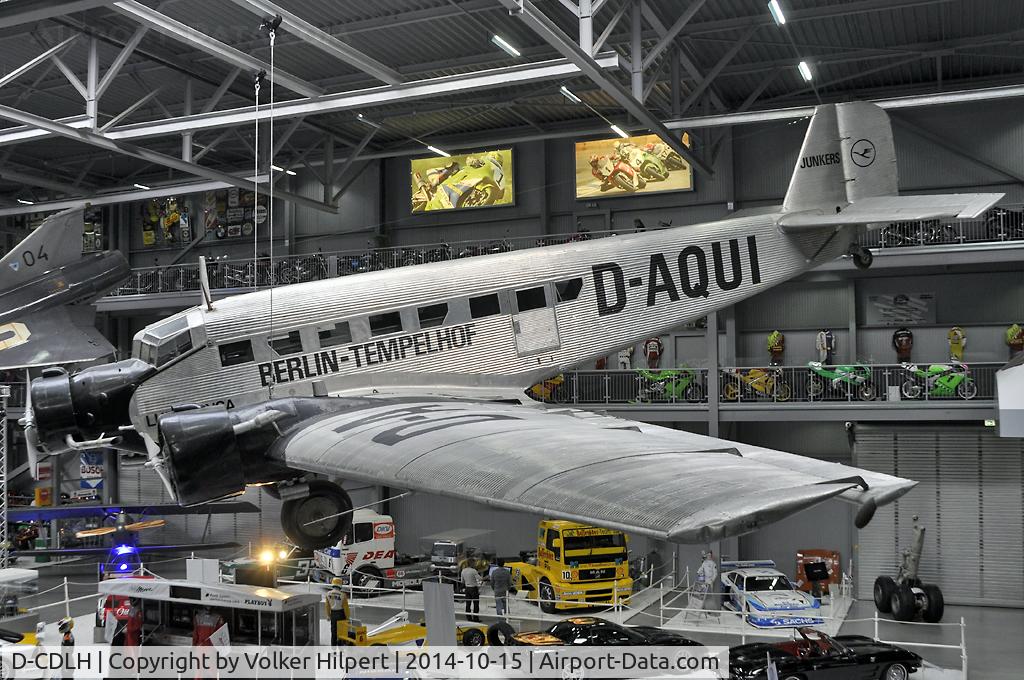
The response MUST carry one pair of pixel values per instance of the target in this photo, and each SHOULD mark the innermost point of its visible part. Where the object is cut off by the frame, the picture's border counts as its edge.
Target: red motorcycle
(614, 172)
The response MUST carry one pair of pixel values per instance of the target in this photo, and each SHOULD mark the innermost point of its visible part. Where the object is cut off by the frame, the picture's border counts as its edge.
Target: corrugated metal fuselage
(633, 286)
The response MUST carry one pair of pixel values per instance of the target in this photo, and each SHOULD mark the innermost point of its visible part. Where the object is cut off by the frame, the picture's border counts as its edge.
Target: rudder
(817, 179)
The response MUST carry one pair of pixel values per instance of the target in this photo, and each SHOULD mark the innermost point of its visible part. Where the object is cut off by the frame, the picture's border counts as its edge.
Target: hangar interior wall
(969, 500)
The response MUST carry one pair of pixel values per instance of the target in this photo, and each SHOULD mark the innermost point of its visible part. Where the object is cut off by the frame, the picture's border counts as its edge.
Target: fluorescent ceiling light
(569, 95)
(504, 44)
(363, 119)
(805, 70)
(619, 131)
(141, 186)
(438, 151)
(776, 10)
(24, 202)
(280, 169)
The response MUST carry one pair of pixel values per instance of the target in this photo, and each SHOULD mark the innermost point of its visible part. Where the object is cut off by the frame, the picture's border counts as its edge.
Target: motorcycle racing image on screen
(617, 166)
(472, 180)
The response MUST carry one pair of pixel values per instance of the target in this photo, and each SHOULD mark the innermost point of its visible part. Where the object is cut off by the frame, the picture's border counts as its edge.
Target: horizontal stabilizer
(885, 209)
(50, 337)
(53, 244)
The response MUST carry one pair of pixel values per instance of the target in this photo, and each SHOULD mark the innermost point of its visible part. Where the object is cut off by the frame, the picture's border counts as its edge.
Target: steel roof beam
(673, 31)
(17, 12)
(546, 29)
(710, 76)
(32, 63)
(172, 28)
(324, 41)
(101, 141)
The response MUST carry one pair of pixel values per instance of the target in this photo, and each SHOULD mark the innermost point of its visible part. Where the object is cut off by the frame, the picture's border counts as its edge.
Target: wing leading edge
(663, 483)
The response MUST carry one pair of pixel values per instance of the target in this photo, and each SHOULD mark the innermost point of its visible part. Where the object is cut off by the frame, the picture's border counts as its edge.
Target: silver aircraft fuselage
(598, 296)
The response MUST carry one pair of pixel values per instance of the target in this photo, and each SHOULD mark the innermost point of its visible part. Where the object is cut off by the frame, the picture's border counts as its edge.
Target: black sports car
(816, 656)
(590, 630)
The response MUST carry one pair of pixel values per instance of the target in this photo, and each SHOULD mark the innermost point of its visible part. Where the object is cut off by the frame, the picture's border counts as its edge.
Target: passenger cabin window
(338, 334)
(484, 305)
(530, 298)
(235, 353)
(432, 316)
(388, 322)
(287, 344)
(569, 289)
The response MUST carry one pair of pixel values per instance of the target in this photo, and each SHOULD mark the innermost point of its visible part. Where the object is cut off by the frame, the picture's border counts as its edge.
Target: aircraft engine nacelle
(214, 453)
(87, 404)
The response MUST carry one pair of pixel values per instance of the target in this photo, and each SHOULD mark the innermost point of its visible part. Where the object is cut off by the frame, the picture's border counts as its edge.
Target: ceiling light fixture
(569, 95)
(776, 9)
(24, 202)
(141, 186)
(439, 152)
(504, 44)
(280, 169)
(363, 119)
(805, 71)
(619, 131)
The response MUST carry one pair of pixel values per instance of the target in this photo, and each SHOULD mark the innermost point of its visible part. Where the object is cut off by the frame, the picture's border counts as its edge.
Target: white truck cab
(368, 547)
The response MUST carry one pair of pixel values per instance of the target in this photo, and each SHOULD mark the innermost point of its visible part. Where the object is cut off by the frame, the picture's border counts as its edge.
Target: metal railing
(942, 382)
(999, 224)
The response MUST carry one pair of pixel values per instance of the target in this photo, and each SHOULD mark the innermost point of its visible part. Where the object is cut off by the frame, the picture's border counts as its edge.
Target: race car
(766, 596)
(587, 630)
(816, 655)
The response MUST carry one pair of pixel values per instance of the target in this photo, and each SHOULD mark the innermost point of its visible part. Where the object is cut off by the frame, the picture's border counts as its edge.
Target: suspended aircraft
(414, 378)
(45, 287)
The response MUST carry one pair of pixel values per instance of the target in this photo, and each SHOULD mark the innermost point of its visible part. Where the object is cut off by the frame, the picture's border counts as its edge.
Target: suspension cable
(256, 186)
(270, 196)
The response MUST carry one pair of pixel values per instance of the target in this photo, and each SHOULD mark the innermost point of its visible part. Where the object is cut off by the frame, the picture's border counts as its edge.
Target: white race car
(767, 596)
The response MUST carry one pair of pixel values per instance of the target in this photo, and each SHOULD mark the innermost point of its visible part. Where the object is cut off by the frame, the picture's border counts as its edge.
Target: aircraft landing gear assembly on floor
(315, 514)
(906, 597)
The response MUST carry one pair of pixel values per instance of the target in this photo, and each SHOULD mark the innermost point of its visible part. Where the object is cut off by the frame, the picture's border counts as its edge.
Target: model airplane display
(44, 282)
(123, 550)
(415, 378)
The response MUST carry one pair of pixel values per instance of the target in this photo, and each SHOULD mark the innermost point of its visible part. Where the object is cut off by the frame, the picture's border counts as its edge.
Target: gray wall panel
(804, 304)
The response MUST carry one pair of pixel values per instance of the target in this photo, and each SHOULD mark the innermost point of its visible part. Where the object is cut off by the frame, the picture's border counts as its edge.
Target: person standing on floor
(471, 583)
(501, 582)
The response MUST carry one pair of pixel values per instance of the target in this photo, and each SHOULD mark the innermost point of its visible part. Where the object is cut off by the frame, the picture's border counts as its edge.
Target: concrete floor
(995, 643)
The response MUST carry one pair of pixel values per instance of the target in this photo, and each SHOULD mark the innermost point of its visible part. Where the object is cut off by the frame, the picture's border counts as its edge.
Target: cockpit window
(160, 344)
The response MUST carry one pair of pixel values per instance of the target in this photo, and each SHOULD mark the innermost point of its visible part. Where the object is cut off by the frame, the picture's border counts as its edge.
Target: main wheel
(883, 591)
(910, 389)
(320, 519)
(967, 389)
(897, 671)
(473, 637)
(546, 594)
(863, 258)
(935, 604)
(904, 605)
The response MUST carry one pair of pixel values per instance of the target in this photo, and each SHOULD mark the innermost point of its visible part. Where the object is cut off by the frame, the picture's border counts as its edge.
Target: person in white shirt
(471, 582)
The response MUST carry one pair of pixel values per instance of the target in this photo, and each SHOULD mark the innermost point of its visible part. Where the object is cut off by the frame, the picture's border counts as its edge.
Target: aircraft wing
(570, 464)
(32, 514)
(49, 337)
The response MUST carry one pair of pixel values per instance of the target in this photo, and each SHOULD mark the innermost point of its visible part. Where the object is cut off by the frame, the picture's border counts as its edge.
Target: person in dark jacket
(501, 582)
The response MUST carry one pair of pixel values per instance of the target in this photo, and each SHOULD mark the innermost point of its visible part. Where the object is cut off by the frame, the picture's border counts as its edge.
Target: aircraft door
(533, 320)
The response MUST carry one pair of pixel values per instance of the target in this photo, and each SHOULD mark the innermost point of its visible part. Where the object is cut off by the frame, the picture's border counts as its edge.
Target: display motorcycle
(939, 380)
(674, 385)
(552, 390)
(670, 158)
(616, 173)
(913, 233)
(481, 182)
(649, 166)
(1004, 225)
(839, 381)
(756, 382)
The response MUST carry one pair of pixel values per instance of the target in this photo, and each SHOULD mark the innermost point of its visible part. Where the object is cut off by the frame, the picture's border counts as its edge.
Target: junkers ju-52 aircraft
(414, 378)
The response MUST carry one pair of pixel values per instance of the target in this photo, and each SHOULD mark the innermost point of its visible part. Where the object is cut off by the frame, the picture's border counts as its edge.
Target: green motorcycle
(650, 167)
(480, 182)
(682, 384)
(939, 380)
(839, 380)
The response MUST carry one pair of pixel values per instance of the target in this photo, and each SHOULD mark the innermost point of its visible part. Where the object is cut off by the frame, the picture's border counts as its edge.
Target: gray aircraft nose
(88, 403)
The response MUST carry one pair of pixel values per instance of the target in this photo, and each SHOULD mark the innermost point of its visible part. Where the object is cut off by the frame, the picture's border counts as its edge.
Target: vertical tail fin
(846, 175)
(54, 243)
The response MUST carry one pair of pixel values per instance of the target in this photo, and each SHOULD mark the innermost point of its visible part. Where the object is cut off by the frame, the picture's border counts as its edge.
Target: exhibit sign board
(474, 180)
(901, 309)
(634, 165)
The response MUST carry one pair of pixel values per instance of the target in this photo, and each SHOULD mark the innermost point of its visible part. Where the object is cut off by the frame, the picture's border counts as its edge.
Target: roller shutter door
(970, 499)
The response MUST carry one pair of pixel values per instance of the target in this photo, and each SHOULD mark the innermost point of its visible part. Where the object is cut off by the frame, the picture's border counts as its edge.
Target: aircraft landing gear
(862, 257)
(316, 514)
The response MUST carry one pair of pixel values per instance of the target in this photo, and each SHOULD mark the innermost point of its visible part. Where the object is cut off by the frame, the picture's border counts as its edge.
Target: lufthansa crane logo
(862, 153)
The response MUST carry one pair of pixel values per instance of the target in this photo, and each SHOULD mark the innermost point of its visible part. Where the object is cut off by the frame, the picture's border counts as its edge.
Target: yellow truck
(576, 565)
